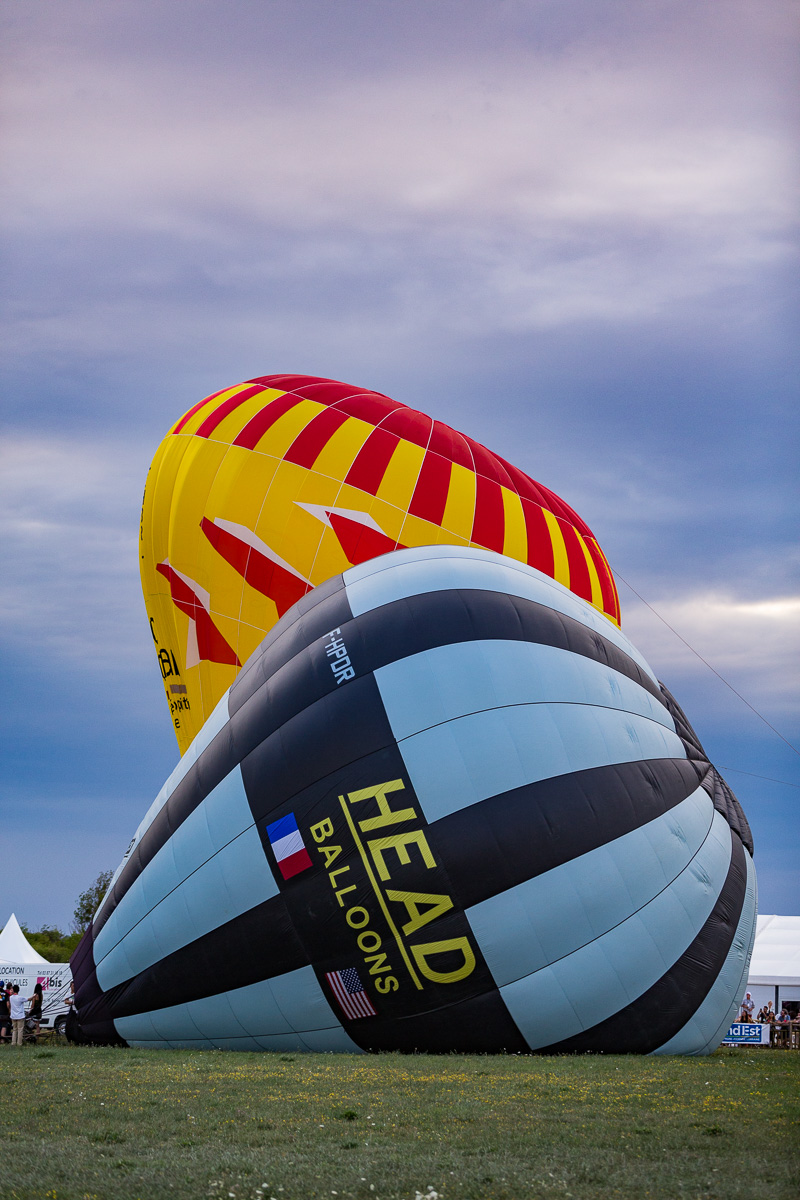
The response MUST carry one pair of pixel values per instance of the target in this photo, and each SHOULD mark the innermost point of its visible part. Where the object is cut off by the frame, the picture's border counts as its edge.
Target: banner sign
(55, 979)
(741, 1034)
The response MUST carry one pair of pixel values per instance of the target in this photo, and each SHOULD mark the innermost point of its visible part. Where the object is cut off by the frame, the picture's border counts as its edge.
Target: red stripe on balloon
(196, 408)
(316, 387)
(487, 464)
(288, 383)
(525, 487)
(331, 392)
(411, 425)
(258, 425)
(580, 581)
(306, 447)
(540, 545)
(211, 645)
(450, 444)
(266, 576)
(489, 524)
(359, 542)
(373, 458)
(608, 588)
(561, 509)
(433, 484)
(228, 406)
(369, 407)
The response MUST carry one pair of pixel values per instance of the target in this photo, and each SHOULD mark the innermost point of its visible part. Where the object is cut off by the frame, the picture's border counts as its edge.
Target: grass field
(111, 1123)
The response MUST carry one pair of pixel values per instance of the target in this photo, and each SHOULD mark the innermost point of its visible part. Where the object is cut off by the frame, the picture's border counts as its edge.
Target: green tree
(89, 902)
(51, 943)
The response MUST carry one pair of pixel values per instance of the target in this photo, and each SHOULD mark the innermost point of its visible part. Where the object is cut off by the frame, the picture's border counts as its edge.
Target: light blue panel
(137, 1029)
(467, 760)
(174, 1023)
(137, 950)
(232, 882)
(240, 1044)
(302, 1001)
(139, 1044)
(542, 920)
(115, 928)
(222, 816)
(438, 568)
(208, 732)
(158, 879)
(288, 1011)
(706, 1029)
(213, 1017)
(108, 936)
(257, 1010)
(285, 1042)
(179, 1044)
(437, 685)
(330, 1041)
(192, 844)
(591, 984)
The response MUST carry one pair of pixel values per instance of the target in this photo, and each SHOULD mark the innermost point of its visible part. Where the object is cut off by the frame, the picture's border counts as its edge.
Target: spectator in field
(17, 1008)
(747, 1008)
(763, 1016)
(5, 1016)
(35, 1001)
(784, 1018)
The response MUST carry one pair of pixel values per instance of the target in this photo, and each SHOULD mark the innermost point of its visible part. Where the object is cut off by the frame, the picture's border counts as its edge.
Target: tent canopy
(776, 953)
(15, 947)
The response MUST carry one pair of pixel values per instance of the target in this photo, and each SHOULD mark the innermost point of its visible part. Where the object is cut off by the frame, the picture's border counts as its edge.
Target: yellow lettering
(350, 917)
(460, 945)
(331, 854)
(322, 830)
(338, 871)
(380, 962)
(398, 842)
(389, 984)
(343, 892)
(423, 907)
(387, 817)
(369, 941)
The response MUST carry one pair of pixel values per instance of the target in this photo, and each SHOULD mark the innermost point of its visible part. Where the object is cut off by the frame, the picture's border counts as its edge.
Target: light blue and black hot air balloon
(445, 806)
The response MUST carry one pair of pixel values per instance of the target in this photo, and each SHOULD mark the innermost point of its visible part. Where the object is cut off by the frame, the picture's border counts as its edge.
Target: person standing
(747, 1008)
(5, 1016)
(35, 1010)
(17, 1007)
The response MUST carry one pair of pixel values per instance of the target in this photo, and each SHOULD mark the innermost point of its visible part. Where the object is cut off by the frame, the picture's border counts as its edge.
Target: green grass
(132, 1123)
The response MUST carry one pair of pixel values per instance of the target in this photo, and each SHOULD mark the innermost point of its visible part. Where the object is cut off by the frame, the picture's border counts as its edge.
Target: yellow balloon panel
(265, 490)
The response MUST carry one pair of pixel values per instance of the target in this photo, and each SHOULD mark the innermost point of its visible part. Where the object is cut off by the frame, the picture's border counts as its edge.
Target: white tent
(15, 947)
(775, 965)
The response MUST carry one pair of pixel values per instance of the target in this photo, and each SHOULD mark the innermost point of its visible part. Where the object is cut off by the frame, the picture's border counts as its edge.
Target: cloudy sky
(567, 227)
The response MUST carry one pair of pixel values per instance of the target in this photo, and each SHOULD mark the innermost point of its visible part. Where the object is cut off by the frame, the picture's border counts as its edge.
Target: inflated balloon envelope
(446, 805)
(265, 490)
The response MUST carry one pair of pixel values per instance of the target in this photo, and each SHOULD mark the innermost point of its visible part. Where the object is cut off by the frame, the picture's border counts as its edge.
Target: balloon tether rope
(713, 669)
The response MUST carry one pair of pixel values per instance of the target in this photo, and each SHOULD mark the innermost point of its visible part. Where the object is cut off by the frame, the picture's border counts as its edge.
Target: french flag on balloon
(288, 846)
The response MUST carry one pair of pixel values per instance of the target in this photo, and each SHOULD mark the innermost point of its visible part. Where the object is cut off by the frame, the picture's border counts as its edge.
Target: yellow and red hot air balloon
(265, 490)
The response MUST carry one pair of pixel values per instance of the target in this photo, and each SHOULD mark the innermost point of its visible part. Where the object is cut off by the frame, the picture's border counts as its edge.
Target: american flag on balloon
(349, 992)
